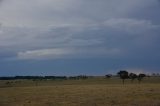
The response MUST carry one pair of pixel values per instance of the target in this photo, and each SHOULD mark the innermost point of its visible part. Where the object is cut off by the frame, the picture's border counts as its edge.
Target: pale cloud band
(66, 53)
(44, 54)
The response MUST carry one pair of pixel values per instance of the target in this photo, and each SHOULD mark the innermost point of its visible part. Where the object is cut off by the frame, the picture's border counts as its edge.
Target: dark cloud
(122, 38)
(124, 30)
(1, 1)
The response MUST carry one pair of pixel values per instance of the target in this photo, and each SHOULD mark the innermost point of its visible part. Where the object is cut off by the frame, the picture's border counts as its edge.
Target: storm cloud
(41, 30)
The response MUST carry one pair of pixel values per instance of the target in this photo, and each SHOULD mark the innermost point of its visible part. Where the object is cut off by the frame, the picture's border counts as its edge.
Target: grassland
(89, 92)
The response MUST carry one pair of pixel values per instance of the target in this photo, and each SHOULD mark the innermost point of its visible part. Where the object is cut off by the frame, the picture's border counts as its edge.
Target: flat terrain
(89, 92)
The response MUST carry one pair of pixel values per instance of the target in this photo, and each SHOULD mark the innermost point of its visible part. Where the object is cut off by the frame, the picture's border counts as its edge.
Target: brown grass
(145, 94)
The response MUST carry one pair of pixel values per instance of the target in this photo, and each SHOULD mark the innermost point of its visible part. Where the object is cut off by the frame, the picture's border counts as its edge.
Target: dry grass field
(90, 92)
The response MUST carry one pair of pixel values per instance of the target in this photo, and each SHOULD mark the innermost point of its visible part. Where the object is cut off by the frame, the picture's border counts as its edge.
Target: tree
(157, 74)
(153, 74)
(132, 76)
(140, 77)
(108, 76)
(123, 75)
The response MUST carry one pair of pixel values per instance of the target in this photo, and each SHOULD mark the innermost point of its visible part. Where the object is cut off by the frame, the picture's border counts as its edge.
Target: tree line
(123, 74)
(44, 77)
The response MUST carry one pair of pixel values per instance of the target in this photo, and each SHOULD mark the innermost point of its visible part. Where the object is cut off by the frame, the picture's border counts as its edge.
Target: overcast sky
(71, 37)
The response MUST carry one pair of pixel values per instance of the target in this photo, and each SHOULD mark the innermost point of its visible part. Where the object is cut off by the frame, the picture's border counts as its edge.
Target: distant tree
(153, 74)
(123, 75)
(108, 76)
(157, 74)
(82, 77)
(72, 78)
(140, 77)
(132, 76)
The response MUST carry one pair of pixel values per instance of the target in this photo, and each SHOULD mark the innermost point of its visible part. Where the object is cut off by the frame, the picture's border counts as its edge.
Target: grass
(90, 92)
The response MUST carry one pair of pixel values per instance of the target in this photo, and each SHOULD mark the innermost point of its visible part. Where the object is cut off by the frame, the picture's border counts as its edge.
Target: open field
(89, 92)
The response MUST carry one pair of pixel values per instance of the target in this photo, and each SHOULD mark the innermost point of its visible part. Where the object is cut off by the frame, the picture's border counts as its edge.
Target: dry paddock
(82, 95)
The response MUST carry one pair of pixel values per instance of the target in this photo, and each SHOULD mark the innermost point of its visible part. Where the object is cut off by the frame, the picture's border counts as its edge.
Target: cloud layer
(41, 13)
(120, 35)
(73, 29)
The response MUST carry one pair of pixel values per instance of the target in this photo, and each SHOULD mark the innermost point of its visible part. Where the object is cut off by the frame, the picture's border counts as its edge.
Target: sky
(73, 37)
